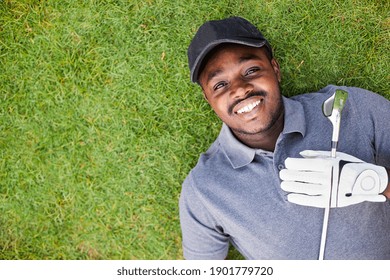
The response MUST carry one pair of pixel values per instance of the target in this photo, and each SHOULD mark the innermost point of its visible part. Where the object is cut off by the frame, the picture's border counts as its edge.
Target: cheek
(219, 110)
(220, 107)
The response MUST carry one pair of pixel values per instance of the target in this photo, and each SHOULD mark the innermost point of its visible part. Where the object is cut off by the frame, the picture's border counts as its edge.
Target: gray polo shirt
(233, 194)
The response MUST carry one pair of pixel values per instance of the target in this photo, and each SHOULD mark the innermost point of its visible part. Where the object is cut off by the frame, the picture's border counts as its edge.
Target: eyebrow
(241, 60)
(213, 74)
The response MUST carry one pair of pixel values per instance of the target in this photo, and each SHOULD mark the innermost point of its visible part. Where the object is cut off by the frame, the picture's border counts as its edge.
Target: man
(235, 193)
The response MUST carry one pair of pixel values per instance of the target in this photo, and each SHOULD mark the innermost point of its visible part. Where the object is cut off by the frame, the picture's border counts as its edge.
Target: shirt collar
(294, 118)
(240, 155)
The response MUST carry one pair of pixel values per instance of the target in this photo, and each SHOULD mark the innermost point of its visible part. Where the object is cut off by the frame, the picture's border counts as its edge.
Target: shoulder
(330, 89)
(357, 97)
(206, 165)
(367, 103)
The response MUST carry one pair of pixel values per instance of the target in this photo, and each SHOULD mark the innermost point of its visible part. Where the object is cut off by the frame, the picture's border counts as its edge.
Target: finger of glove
(306, 200)
(355, 199)
(303, 188)
(308, 164)
(315, 154)
(327, 154)
(375, 198)
(305, 176)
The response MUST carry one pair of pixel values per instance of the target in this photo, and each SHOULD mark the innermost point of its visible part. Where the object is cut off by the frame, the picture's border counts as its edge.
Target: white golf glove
(345, 180)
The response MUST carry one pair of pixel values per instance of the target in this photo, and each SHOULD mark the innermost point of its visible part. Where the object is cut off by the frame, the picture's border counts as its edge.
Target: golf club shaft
(334, 148)
(324, 233)
(335, 136)
(335, 118)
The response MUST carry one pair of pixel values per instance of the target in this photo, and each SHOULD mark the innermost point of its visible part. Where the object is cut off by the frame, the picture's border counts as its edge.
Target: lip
(248, 106)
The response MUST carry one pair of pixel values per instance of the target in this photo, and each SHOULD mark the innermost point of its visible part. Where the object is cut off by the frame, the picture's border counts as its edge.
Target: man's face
(241, 84)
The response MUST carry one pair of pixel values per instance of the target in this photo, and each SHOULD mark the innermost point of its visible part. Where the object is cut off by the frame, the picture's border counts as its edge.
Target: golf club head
(327, 107)
(339, 100)
(336, 101)
(332, 108)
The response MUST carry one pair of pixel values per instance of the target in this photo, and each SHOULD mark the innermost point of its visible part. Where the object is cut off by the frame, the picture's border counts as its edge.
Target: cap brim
(212, 45)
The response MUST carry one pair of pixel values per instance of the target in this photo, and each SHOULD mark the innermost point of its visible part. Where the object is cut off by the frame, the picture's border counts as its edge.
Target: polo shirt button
(280, 166)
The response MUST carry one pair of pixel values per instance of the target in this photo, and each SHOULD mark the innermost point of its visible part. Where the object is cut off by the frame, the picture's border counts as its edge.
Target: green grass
(99, 123)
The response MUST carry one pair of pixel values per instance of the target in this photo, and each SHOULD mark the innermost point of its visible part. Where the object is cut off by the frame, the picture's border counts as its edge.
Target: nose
(241, 88)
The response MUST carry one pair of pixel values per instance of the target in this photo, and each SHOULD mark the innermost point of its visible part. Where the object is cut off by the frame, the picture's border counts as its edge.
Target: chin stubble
(274, 118)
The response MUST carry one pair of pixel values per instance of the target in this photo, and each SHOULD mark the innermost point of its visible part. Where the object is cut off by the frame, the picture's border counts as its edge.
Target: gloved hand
(347, 180)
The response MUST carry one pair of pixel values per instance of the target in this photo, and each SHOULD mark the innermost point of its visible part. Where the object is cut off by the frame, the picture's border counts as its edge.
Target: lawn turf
(99, 123)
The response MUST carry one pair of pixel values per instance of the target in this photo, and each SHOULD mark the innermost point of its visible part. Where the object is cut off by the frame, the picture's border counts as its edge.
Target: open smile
(248, 105)
(248, 108)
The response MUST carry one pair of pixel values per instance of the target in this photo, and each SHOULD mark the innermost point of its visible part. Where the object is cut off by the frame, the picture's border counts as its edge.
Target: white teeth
(248, 108)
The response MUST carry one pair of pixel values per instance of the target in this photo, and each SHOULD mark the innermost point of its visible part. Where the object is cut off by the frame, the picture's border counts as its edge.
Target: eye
(219, 85)
(252, 70)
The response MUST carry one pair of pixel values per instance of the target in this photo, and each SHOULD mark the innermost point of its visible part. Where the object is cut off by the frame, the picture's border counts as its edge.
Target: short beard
(278, 113)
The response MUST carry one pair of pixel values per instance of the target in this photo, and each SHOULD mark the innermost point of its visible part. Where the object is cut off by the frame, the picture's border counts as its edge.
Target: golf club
(332, 108)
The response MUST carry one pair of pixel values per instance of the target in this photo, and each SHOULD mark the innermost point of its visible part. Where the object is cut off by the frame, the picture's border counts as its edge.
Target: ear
(204, 93)
(276, 67)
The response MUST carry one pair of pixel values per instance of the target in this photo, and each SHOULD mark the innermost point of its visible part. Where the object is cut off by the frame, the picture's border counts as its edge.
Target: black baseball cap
(215, 32)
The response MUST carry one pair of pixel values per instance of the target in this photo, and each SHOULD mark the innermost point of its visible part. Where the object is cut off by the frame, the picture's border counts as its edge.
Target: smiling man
(241, 84)
(258, 187)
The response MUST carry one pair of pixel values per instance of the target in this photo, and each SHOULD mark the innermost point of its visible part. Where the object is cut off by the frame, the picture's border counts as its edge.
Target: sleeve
(200, 236)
